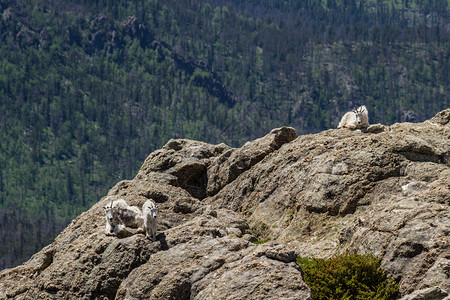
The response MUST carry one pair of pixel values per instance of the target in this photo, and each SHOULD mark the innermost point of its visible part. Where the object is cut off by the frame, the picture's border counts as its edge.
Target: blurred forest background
(89, 88)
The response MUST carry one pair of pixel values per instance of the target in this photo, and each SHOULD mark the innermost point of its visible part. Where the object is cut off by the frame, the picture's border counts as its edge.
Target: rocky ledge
(385, 192)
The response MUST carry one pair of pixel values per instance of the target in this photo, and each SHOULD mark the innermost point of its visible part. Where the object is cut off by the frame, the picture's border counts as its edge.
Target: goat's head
(109, 214)
(154, 212)
(358, 113)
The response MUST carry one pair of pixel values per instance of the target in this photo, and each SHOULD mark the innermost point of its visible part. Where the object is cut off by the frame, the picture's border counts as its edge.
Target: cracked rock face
(384, 192)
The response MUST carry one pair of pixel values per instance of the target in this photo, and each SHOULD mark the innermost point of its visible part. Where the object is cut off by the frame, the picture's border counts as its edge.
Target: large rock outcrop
(385, 191)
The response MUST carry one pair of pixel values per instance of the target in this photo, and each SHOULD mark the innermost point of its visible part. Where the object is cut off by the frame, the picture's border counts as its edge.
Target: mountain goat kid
(357, 118)
(150, 212)
(120, 215)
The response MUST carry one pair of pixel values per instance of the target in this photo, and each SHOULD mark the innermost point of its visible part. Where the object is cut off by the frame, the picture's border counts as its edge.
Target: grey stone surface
(384, 192)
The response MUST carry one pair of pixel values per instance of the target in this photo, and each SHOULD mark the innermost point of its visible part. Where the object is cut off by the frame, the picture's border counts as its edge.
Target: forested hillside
(89, 88)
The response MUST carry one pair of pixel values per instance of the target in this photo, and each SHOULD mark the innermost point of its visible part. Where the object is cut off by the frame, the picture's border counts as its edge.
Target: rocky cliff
(385, 191)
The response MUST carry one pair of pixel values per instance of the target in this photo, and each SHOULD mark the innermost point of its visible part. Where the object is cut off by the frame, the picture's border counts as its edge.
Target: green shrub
(347, 277)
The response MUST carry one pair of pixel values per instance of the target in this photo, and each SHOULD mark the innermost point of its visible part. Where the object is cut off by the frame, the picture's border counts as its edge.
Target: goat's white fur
(113, 223)
(354, 119)
(150, 212)
(120, 215)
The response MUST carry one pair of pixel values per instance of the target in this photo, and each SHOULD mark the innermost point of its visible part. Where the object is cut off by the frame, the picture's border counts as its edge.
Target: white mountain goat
(113, 223)
(120, 215)
(357, 118)
(150, 212)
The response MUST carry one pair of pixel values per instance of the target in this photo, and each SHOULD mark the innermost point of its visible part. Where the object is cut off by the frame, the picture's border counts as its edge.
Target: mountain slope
(88, 89)
(383, 192)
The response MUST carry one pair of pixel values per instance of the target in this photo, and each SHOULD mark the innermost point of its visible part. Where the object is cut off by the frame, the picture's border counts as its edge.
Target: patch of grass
(304, 261)
(259, 242)
(348, 277)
